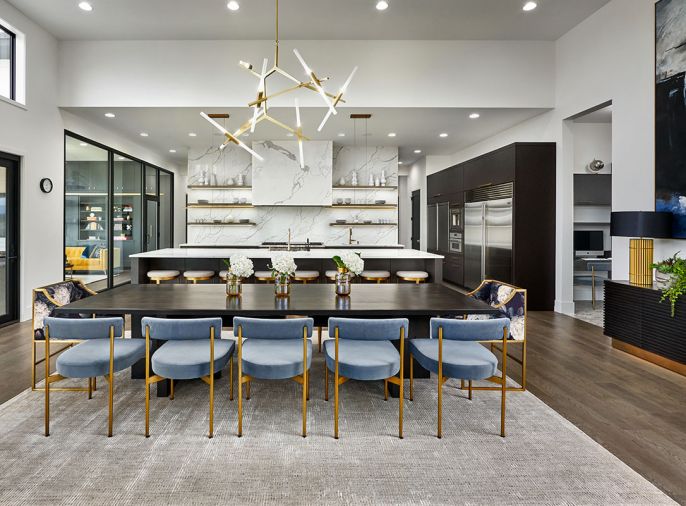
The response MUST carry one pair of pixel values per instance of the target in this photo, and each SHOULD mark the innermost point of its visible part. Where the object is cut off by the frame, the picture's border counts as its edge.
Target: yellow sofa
(98, 263)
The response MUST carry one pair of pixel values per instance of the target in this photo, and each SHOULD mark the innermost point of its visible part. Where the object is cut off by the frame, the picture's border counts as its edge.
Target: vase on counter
(282, 286)
(234, 286)
(343, 279)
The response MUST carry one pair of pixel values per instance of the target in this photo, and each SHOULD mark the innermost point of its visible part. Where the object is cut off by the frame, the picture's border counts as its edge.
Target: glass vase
(343, 283)
(282, 286)
(234, 286)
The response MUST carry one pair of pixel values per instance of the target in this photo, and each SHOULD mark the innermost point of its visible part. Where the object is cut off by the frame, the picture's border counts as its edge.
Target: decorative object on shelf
(596, 165)
(46, 185)
(371, 180)
(239, 267)
(260, 104)
(240, 180)
(353, 181)
(377, 182)
(341, 181)
(349, 264)
(283, 268)
(670, 277)
(383, 178)
(642, 227)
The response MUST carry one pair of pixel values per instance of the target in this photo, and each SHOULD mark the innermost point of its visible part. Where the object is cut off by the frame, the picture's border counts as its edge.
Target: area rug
(543, 460)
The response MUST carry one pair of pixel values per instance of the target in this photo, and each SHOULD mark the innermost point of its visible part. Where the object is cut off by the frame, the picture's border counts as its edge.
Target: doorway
(9, 238)
(416, 209)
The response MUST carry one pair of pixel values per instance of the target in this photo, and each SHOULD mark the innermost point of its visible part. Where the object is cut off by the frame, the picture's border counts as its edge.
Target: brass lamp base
(640, 260)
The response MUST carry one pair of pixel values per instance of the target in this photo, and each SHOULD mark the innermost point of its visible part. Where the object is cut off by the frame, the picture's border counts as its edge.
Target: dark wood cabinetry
(492, 168)
(593, 189)
(445, 186)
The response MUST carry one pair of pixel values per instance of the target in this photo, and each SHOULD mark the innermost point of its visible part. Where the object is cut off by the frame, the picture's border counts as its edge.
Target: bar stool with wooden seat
(305, 277)
(264, 276)
(195, 276)
(377, 276)
(413, 276)
(163, 275)
(330, 275)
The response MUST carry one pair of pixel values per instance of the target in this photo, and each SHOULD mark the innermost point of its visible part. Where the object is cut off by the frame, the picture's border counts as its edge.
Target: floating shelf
(217, 187)
(363, 224)
(219, 206)
(200, 224)
(364, 206)
(360, 187)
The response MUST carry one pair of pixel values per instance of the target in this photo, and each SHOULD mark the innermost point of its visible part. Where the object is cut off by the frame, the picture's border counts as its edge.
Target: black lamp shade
(648, 224)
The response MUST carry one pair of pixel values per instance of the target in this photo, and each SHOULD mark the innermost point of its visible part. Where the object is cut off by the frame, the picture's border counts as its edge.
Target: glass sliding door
(9, 238)
(127, 216)
(86, 206)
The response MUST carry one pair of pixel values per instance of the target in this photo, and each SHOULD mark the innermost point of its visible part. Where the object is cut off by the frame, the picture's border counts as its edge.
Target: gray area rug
(543, 460)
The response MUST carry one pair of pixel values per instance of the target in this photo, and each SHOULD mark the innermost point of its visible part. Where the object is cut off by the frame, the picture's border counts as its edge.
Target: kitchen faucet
(350, 237)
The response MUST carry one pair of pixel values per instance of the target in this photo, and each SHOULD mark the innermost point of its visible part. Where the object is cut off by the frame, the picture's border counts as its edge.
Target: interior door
(498, 253)
(416, 223)
(9, 238)
(151, 229)
(473, 244)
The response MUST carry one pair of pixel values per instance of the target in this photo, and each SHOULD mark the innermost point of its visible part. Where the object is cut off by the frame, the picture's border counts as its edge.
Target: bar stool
(159, 276)
(196, 276)
(305, 277)
(223, 275)
(265, 276)
(413, 276)
(331, 275)
(378, 276)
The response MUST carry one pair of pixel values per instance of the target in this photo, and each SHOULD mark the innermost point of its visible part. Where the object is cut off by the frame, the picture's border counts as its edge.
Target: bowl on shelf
(348, 201)
(367, 222)
(339, 201)
(203, 201)
(379, 202)
(243, 200)
(216, 221)
(342, 222)
(244, 220)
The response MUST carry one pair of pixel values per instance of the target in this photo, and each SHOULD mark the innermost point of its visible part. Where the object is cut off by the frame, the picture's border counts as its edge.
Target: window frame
(13, 62)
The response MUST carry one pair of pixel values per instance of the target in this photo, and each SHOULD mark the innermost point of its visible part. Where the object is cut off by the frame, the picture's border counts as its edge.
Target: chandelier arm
(286, 127)
(286, 75)
(278, 93)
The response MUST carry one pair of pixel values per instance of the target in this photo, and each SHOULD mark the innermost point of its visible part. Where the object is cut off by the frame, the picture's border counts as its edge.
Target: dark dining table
(418, 303)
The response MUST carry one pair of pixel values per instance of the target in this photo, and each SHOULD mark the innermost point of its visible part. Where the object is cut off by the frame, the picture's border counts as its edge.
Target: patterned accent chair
(45, 300)
(511, 300)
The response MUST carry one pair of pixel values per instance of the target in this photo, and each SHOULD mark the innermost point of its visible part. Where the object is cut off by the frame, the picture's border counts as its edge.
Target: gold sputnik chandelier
(260, 105)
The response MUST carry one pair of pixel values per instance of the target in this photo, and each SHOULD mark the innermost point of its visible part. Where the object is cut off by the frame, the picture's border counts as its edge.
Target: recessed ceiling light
(443, 134)
(192, 134)
(83, 144)
(85, 6)
(381, 5)
(417, 151)
(400, 163)
(172, 151)
(341, 134)
(474, 115)
(144, 134)
(392, 134)
(109, 115)
(233, 5)
(529, 6)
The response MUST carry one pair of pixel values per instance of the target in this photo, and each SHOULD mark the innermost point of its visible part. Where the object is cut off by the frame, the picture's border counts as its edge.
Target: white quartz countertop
(387, 253)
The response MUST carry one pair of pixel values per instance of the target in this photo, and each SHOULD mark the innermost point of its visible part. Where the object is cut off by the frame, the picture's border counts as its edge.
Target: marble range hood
(278, 180)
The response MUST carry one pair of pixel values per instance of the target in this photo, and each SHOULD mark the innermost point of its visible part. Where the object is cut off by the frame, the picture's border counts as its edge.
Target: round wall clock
(46, 185)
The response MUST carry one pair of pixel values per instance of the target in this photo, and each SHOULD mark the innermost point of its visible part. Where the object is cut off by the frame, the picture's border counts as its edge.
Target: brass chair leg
(439, 433)
(470, 390)
(335, 390)
(212, 381)
(503, 385)
(33, 365)
(90, 388)
(110, 400)
(411, 377)
(47, 384)
(171, 389)
(95, 384)
(147, 382)
(239, 358)
(385, 390)
(401, 397)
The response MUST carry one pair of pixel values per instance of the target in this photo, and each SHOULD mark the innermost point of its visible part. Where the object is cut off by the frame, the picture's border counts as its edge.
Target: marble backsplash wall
(271, 223)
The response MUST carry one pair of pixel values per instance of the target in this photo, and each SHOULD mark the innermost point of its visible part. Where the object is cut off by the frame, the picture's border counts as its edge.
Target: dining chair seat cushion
(163, 274)
(92, 358)
(263, 274)
(190, 358)
(306, 274)
(375, 274)
(274, 358)
(198, 274)
(461, 359)
(362, 360)
(412, 274)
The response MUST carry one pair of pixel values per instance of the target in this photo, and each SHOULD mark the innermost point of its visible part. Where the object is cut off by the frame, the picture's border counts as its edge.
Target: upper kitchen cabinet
(593, 189)
(445, 186)
(490, 169)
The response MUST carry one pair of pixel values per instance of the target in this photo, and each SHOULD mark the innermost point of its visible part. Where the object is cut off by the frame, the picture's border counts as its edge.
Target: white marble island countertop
(320, 253)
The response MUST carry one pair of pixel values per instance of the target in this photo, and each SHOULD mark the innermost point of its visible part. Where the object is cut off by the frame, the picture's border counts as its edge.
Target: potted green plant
(670, 277)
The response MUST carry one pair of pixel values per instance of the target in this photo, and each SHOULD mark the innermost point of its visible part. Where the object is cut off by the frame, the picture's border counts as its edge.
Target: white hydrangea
(241, 266)
(283, 264)
(353, 262)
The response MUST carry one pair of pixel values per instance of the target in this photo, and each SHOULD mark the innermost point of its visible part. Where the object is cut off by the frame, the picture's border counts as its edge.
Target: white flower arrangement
(240, 266)
(283, 265)
(350, 261)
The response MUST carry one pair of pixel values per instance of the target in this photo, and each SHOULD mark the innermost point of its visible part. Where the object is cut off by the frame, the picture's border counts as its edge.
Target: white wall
(592, 141)
(391, 73)
(416, 180)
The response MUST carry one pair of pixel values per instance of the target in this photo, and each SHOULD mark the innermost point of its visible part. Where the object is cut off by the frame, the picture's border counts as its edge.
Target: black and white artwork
(670, 111)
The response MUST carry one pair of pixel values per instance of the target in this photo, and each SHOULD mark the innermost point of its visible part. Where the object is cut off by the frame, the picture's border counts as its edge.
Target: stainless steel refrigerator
(488, 234)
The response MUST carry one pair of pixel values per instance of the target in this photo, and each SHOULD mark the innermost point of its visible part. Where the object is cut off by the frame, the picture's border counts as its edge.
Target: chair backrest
(387, 329)
(49, 297)
(511, 301)
(470, 330)
(167, 329)
(266, 328)
(83, 328)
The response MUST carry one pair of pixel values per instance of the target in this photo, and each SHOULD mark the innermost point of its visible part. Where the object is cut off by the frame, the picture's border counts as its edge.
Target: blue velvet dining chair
(100, 351)
(193, 349)
(273, 349)
(362, 350)
(455, 351)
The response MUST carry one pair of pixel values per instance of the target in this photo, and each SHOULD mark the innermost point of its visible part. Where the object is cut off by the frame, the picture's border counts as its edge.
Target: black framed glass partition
(8, 64)
(115, 205)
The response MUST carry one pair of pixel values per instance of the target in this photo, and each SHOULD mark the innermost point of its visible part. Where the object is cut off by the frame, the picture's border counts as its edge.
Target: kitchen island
(319, 259)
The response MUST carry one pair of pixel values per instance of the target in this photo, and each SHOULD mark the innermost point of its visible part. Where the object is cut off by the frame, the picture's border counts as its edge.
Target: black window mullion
(13, 61)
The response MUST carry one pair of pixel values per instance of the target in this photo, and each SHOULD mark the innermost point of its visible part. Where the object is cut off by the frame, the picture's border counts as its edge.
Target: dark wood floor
(634, 409)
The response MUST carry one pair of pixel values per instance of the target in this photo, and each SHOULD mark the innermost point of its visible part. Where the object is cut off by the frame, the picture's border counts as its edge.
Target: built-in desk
(640, 324)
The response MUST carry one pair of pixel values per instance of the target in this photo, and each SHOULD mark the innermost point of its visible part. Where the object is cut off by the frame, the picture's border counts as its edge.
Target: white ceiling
(415, 128)
(603, 115)
(309, 19)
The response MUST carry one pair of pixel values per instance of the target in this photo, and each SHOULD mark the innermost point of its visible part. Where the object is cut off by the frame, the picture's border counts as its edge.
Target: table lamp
(642, 227)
